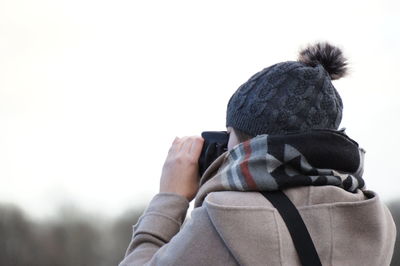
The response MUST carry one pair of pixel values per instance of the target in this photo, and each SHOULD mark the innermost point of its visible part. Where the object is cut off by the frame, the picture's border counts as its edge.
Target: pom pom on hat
(291, 96)
(327, 55)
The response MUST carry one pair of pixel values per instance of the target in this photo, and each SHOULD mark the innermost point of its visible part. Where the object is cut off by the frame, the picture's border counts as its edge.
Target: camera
(215, 144)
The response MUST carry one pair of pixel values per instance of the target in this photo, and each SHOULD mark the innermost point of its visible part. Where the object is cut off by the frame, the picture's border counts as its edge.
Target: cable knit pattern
(286, 97)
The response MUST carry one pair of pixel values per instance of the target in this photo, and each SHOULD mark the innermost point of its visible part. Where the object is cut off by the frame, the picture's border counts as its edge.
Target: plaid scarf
(275, 162)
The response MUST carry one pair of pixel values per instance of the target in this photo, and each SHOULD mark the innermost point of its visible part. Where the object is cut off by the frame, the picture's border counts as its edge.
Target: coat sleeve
(160, 221)
(159, 238)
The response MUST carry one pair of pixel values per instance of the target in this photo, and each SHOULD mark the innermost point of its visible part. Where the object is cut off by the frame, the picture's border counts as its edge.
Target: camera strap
(301, 237)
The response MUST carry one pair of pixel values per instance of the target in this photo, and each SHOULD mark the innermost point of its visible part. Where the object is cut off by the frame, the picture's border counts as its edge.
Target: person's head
(290, 96)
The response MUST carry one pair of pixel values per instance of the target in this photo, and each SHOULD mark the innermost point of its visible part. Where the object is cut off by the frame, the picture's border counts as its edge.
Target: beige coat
(243, 228)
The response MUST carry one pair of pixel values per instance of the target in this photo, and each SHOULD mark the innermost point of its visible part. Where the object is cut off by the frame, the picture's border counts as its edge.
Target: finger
(174, 145)
(186, 144)
(197, 146)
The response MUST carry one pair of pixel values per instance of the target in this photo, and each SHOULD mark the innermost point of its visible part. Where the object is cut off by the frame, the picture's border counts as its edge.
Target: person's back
(283, 137)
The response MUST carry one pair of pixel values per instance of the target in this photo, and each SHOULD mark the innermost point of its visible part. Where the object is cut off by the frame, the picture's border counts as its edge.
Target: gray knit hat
(291, 96)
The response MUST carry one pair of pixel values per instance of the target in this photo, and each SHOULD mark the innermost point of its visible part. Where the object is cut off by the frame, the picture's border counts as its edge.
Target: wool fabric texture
(318, 157)
(286, 97)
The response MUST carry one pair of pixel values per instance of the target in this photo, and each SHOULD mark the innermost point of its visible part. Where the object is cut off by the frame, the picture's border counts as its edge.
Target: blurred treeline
(395, 209)
(72, 238)
(78, 239)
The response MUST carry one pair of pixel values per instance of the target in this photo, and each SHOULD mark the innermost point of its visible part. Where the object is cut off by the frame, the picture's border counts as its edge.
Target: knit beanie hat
(291, 96)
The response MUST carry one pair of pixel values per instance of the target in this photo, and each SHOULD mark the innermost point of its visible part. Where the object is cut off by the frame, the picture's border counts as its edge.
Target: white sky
(92, 93)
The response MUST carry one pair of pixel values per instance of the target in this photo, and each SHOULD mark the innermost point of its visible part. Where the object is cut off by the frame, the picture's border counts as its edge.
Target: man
(283, 124)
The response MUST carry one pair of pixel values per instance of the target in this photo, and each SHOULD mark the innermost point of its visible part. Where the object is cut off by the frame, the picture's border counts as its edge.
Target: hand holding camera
(180, 173)
(187, 160)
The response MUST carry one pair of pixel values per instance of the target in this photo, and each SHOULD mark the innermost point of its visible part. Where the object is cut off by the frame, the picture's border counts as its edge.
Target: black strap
(301, 237)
